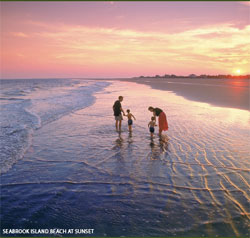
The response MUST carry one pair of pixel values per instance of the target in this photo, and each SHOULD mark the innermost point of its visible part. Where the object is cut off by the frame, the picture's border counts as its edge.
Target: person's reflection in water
(164, 143)
(130, 138)
(155, 153)
(157, 150)
(119, 155)
(130, 146)
(119, 141)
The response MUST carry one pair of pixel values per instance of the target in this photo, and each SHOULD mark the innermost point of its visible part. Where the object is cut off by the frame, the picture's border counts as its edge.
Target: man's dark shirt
(117, 108)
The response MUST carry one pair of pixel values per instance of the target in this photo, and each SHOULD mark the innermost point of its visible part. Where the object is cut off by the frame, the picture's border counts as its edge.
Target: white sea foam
(26, 105)
(79, 170)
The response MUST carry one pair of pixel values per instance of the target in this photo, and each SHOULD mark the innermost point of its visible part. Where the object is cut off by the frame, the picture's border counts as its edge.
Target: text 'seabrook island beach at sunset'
(125, 119)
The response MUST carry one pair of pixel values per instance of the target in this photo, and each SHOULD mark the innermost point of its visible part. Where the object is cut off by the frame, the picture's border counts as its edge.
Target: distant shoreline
(203, 76)
(223, 92)
(229, 93)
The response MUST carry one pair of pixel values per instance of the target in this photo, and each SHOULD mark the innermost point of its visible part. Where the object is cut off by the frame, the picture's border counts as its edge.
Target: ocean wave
(21, 116)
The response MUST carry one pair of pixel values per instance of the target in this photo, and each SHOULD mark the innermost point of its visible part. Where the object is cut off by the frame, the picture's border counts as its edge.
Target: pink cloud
(247, 3)
(20, 34)
(97, 46)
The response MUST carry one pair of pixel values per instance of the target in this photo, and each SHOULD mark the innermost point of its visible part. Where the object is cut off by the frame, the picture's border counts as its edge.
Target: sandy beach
(73, 170)
(219, 92)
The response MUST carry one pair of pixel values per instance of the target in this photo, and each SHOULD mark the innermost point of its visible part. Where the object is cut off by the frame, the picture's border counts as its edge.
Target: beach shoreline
(79, 172)
(228, 93)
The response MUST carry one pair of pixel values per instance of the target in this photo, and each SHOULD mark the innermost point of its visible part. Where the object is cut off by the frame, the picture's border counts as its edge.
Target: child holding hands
(130, 121)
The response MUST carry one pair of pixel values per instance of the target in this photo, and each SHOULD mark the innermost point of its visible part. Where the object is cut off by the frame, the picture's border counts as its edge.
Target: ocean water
(64, 165)
(27, 105)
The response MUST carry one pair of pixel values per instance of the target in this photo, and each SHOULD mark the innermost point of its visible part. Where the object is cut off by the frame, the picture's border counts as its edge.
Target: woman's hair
(128, 111)
(120, 97)
(150, 108)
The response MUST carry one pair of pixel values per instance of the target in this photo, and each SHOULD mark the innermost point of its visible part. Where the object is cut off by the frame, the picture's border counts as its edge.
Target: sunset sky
(123, 39)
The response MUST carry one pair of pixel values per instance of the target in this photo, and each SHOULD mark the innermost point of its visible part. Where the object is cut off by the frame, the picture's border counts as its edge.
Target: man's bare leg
(120, 125)
(116, 125)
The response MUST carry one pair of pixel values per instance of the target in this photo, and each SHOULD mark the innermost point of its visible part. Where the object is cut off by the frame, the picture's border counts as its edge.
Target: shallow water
(27, 105)
(80, 173)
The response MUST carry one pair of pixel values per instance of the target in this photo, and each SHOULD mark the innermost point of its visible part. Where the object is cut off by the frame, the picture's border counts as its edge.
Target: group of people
(157, 112)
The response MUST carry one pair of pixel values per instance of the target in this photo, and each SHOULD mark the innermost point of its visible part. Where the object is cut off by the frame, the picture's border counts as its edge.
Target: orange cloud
(217, 47)
(19, 34)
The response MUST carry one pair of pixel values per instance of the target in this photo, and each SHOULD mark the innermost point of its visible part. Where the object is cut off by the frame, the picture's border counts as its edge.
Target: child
(130, 121)
(151, 126)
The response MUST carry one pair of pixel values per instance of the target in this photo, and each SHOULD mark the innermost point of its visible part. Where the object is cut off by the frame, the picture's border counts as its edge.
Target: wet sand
(80, 173)
(217, 92)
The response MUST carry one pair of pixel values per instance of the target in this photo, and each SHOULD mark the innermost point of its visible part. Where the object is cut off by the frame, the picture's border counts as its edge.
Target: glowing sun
(238, 71)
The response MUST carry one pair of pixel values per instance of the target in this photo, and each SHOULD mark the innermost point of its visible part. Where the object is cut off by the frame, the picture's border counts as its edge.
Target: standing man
(117, 108)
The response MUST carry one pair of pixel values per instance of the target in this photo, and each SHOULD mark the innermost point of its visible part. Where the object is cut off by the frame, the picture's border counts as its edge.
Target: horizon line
(141, 76)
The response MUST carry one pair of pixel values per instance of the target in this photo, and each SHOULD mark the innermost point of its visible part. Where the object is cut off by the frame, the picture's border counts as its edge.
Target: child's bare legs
(130, 128)
(152, 134)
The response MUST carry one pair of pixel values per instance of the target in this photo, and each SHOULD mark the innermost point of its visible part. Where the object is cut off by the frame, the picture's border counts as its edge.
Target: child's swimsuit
(151, 129)
(130, 122)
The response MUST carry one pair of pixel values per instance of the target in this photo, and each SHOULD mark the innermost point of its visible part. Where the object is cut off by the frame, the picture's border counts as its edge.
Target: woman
(162, 121)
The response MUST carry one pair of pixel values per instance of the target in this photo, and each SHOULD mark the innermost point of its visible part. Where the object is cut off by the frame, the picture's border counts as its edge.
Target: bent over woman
(162, 118)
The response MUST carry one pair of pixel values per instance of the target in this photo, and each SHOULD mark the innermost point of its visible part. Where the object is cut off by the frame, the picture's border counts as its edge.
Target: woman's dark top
(117, 108)
(157, 111)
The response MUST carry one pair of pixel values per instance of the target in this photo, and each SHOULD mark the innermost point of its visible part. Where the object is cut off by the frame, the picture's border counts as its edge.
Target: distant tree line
(220, 76)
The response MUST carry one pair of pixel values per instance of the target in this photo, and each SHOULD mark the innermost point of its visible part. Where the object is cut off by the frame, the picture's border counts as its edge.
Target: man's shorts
(118, 118)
